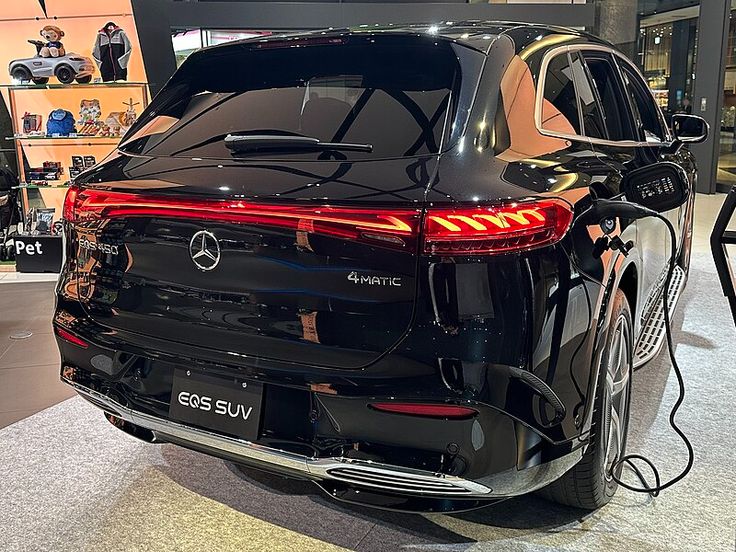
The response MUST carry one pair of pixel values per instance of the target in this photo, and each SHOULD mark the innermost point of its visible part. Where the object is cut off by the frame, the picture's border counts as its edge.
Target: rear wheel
(589, 484)
(65, 74)
(21, 74)
(41, 80)
(84, 80)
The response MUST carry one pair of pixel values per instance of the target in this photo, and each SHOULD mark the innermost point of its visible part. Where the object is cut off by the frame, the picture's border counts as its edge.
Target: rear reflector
(497, 228)
(445, 411)
(71, 338)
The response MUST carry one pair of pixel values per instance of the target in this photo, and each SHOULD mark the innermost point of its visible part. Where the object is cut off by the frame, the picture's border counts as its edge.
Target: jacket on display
(112, 52)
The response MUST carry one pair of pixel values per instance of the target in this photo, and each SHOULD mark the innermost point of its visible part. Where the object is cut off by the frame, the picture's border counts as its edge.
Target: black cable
(628, 459)
(609, 208)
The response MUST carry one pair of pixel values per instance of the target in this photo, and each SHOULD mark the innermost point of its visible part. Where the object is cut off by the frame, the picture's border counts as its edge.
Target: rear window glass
(396, 93)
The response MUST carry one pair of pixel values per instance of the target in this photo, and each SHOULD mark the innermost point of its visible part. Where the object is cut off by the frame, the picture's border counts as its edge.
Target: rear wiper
(253, 142)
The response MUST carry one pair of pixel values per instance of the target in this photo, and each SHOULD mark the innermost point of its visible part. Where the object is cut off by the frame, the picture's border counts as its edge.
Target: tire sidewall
(21, 73)
(60, 72)
(620, 308)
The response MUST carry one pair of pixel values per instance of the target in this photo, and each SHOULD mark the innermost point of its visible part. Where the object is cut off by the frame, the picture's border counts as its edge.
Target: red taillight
(462, 230)
(391, 227)
(70, 200)
(496, 228)
(71, 338)
(448, 411)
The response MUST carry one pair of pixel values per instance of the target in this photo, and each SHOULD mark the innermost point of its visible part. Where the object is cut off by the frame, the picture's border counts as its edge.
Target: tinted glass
(642, 103)
(594, 124)
(604, 75)
(560, 109)
(390, 93)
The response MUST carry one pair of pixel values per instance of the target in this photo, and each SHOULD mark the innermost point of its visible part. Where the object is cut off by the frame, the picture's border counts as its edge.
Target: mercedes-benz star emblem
(204, 249)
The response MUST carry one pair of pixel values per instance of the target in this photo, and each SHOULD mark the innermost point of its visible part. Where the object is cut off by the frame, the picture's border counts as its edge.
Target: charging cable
(603, 209)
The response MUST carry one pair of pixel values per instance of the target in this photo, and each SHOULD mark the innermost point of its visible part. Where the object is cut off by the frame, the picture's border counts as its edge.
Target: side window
(559, 107)
(603, 73)
(645, 110)
(594, 123)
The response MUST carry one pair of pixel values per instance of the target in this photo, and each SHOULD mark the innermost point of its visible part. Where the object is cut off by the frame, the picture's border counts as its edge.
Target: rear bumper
(362, 473)
(366, 482)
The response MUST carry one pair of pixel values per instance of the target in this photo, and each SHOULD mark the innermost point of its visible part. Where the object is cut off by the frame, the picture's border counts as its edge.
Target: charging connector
(603, 209)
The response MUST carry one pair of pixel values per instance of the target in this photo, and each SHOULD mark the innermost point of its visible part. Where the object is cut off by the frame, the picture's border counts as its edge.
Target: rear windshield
(398, 94)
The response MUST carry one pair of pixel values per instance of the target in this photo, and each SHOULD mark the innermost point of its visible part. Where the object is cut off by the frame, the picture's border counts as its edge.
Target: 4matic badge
(367, 280)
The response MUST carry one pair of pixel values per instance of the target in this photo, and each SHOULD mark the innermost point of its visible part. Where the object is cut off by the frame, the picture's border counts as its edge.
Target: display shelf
(111, 140)
(42, 186)
(66, 96)
(54, 86)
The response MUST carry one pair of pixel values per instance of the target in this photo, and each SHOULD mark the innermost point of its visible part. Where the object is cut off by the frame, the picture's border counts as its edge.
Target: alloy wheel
(616, 399)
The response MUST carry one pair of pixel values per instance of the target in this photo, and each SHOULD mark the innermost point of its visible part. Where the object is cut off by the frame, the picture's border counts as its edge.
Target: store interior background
(661, 36)
(82, 486)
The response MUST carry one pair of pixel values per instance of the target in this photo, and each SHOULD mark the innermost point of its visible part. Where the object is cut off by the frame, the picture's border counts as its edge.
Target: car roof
(477, 34)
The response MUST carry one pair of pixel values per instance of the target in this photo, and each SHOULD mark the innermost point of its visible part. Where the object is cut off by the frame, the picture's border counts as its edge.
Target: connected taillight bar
(462, 230)
(445, 411)
(508, 227)
(391, 227)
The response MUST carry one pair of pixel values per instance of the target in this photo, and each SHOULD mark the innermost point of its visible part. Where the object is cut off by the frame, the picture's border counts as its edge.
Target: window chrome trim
(539, 98)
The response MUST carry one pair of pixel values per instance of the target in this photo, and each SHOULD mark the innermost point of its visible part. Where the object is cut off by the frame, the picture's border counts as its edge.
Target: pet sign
(38, 253)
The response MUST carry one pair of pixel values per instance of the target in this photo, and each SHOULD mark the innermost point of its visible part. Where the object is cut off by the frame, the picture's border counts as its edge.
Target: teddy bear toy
(53, 46)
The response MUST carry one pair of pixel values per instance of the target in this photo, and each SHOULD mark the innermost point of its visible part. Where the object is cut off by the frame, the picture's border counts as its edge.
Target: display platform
(129, 495)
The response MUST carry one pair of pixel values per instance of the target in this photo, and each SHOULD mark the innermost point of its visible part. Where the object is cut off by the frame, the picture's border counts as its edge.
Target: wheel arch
(623, 276)
(629, 284)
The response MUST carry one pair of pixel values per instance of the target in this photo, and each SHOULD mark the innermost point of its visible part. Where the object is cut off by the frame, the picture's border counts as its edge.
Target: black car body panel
(331, 326)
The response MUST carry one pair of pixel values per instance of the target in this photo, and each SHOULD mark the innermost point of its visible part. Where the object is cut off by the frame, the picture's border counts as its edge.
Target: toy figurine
(114, 125)
(130, 116)
(89, 117)
(52, 60)
(112, 52)
(53, 46)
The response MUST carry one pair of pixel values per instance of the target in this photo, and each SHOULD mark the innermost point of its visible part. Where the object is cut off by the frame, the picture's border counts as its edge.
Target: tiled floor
(29, 368)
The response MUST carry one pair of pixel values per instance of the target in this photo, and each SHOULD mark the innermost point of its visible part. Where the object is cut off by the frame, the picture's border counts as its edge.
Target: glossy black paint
(460, 330)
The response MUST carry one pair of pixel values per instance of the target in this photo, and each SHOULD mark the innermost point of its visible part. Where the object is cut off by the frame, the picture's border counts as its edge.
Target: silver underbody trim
(653, 333)
(359, 473)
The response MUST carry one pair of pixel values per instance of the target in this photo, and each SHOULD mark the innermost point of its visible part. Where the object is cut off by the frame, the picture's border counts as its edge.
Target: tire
(65, 74)
(84, 80)
(21, 74)
(40, 80)
(588, 484)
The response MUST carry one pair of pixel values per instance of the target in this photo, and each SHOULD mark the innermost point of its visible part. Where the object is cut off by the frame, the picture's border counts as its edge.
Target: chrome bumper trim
(360, 473)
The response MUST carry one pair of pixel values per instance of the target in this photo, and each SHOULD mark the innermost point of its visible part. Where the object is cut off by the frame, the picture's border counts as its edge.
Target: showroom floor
(70, 481)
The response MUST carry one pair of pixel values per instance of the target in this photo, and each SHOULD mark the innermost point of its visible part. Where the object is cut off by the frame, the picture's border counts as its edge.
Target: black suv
(356, 257)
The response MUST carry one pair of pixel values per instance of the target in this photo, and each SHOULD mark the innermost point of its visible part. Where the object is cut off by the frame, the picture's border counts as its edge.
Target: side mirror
(660, 187)
(689, 129)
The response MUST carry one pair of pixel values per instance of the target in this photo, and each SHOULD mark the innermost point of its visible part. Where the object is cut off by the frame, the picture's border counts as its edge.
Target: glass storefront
(667, 52)
(727, 154)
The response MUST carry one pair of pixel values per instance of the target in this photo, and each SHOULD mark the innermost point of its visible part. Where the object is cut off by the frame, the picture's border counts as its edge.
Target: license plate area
(223, 405)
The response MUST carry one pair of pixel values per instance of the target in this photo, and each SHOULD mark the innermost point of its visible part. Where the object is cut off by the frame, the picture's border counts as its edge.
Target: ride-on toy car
(66, 68)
